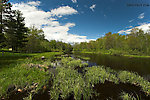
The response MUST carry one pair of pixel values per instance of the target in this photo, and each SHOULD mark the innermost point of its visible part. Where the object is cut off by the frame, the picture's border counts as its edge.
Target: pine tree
(16, 31)
(5, 11)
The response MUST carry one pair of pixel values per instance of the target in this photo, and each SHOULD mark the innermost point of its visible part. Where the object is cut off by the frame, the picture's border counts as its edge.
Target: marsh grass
(66, 80)
(127, 96)
(72, 63)
(70, 82)
(83, 58)
(97, 74)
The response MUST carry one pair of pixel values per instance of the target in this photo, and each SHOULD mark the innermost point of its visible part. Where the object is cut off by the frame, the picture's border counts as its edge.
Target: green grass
(137, 56)
(116, 53)
(13, 58)
(21, 76)
(83, 58)
(15, 71)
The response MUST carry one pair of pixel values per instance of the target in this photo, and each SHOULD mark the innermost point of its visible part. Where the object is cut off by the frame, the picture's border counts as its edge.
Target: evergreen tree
(5, 11)
(16, 31)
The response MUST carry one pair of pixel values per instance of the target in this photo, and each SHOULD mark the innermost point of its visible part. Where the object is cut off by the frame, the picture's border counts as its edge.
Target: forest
(135, 43)
(16, 37)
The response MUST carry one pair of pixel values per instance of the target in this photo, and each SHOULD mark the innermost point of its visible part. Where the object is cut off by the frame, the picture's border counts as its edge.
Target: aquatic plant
(83, 58)
(69, 82)
(97, 74)
(133, 78)
(127, 96)
(69, 62)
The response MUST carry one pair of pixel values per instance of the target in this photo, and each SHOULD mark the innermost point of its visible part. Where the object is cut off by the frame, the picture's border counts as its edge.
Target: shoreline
(123, 55)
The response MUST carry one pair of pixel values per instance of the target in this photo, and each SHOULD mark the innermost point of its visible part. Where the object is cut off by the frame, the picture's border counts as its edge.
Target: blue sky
(82, 20)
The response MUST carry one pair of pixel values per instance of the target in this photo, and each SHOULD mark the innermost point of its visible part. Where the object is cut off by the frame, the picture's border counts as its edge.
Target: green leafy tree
(35, 37)
(109, 41)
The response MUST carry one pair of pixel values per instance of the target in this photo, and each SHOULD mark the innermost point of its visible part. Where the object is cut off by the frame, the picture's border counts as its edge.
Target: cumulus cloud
(52, 28)
(125, 31)
(145, 27)
(64, 10)
(34, 3)
(141, 16)
(74, 1)
(92, 7)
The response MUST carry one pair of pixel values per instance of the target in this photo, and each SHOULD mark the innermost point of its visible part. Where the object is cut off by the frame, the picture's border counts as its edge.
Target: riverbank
(114, 54)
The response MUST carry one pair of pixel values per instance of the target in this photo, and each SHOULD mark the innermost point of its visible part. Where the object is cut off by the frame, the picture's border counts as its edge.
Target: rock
(42, 57)
(19, 90)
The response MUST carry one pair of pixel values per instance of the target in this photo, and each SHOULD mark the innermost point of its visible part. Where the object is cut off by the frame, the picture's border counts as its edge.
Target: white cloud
(52, 28)
(125, 31)
(129, 27)
(145, 27)
(64, 10)
(141, 16)
(33, 3)
(92, 7)
(74, 1)
(131, 20)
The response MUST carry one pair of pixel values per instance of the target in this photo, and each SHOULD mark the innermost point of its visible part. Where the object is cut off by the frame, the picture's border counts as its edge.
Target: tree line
(135, 43)
(15, 35)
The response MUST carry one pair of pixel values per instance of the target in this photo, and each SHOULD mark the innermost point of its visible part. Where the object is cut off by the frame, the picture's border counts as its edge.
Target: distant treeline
(15, 35)
(135, 43)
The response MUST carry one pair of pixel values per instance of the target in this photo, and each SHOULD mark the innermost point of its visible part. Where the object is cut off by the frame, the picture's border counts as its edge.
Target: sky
(84, 20)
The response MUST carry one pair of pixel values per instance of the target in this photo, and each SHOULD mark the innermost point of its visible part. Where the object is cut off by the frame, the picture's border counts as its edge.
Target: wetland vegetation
(33, 68)
(65, 79)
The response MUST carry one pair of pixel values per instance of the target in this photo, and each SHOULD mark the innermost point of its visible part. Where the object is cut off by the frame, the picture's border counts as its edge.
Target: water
(139, 65)
(112, 91)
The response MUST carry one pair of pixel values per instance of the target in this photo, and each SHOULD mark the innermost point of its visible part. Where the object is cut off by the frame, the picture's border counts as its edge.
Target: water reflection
(139, 65)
